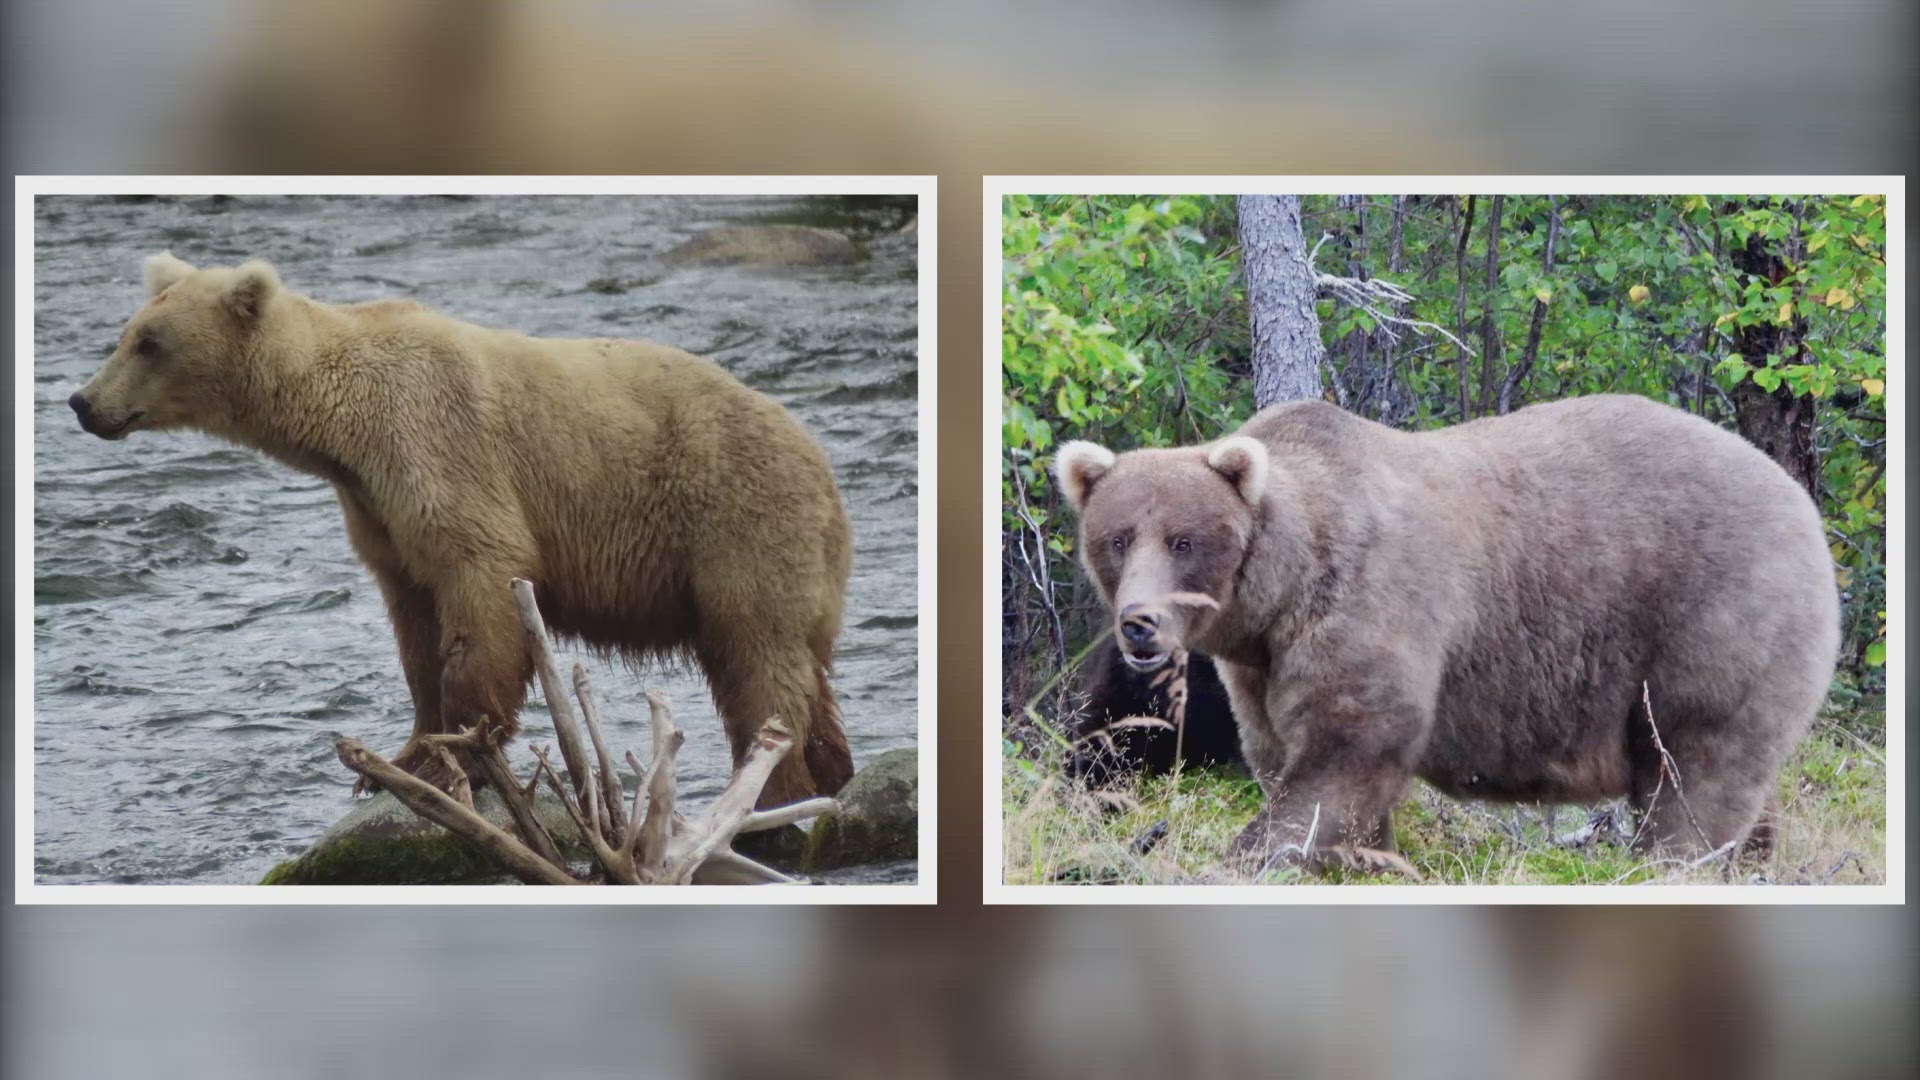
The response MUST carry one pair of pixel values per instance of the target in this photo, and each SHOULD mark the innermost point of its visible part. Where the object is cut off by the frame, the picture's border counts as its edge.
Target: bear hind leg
(1704, 792)
(750, 688)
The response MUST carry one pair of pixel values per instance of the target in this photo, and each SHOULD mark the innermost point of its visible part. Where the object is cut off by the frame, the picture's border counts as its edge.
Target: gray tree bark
(1287, 350)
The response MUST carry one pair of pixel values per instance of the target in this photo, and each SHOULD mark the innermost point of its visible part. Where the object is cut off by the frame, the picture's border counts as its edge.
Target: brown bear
(1491, 607)
(1109, 742)
(658, 505)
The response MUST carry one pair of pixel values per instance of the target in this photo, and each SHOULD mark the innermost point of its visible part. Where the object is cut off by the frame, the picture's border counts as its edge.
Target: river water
(202, 630)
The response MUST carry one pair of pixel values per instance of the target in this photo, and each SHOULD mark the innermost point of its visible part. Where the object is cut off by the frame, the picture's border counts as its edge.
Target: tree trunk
(1531, 353)
(1460, 307)
(1489, 324)
(1287, 351)
(1780, 423)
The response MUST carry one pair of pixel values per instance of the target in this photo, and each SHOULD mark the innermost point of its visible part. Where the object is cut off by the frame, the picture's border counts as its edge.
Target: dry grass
(1832, 830)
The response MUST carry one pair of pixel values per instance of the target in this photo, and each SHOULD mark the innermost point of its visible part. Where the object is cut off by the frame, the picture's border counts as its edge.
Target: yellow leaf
(1842, 576)
(1785, 314)
(1873, 387)
(1727, 318)
(1543, 295)
(1858, 199)
(1837, 295)
(1563, 366)
(1819, 241)
(1639, 293)
(1861, 241)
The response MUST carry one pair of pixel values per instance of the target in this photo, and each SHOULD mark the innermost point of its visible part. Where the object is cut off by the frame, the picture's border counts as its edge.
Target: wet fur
(632, 483)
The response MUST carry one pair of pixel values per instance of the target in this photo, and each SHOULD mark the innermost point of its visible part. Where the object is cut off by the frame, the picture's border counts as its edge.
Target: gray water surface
(202, 630)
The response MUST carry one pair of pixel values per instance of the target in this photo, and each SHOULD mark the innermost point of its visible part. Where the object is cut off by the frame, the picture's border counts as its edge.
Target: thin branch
(609, 776)
(557, 704)
(439, 807)
(722, 819)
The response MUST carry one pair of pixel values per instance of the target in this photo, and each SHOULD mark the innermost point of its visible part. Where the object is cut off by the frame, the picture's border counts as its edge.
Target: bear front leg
(1350, 758)
(416, 630)
(484, 659)
(415, 620)
(1246, 687)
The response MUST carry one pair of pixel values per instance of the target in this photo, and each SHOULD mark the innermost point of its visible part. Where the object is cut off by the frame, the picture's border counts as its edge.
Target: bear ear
(253, 286)
(1243, 461)
(163, 270)
(1078, 466)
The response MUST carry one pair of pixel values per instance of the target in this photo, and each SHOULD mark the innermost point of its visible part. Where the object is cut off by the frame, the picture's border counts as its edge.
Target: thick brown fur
(1107, 747)
(1478, 606)
(659, 506)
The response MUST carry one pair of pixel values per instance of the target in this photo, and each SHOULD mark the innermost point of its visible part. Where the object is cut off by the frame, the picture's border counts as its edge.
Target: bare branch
(722, 819)
(439, 807)
(609, 776)
(557, 704)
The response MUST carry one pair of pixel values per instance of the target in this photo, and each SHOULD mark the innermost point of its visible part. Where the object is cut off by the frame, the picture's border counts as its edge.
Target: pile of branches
(647, 844)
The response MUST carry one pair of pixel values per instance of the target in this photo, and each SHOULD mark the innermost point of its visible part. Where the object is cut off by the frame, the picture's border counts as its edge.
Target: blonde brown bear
(659, 506)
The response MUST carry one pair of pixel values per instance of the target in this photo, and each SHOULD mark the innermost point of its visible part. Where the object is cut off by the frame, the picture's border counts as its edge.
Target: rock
(381, 842)
(766, 246)
(879, 817)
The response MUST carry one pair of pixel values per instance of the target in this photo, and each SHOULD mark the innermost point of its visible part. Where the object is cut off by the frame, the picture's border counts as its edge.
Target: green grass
(1831, 831)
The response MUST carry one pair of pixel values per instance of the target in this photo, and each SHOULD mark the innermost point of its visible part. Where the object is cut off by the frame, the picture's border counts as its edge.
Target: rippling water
(203, 632)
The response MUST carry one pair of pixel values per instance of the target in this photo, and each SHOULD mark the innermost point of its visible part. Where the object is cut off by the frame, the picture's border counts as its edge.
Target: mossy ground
(1831, 830)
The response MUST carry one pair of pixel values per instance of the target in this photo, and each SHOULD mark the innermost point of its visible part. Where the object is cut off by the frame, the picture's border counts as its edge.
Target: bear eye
(1181, 544)
(1119, 543)
(146, 345)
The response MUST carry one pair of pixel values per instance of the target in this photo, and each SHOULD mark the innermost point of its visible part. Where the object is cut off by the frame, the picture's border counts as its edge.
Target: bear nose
(81, 406)
(1138, 626)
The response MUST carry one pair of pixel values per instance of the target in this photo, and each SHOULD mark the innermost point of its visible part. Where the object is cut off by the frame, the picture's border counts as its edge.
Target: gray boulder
(766, 246)
(381, 842)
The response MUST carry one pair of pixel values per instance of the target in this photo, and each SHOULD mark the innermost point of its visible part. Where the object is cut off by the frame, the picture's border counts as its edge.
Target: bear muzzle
(1140, 644)
(94, 424)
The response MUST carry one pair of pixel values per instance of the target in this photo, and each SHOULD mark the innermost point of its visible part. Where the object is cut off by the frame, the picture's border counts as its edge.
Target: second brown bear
(1490, 607)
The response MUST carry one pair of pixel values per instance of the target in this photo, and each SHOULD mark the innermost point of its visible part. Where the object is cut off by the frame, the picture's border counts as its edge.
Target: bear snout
(1140, 636)
(91, 422)
(1137, 625)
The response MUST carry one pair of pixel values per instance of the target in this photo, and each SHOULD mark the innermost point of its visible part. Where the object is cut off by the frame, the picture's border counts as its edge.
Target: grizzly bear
(1109, 742)
(1584, 599)
(659, 506)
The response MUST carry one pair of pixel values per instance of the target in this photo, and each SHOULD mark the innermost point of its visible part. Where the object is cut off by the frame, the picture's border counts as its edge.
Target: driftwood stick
(725, 867)
(639, 809)
(657, 828)
(722, 820)
(787, 815)
(558, 705)
(458, 784)
(618, 867)
(610, 793)
(435, 805)
(519, 800)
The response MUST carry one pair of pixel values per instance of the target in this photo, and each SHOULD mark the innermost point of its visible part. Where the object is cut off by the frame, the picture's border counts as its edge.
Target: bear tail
(827, 757)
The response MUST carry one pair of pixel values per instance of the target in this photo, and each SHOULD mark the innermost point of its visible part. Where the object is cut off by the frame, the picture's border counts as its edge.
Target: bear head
(1164, 533)
(183, 359)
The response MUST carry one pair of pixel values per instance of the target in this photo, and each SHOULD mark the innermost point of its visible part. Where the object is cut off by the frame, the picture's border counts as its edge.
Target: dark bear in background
(1582, 600)
(1107, 748)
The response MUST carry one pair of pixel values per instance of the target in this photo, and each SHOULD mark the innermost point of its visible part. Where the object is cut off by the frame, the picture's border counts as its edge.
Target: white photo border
(994, 889)
(923, 890)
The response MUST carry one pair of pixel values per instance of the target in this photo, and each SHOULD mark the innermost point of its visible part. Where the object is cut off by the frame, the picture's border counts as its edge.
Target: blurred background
(1239, 86)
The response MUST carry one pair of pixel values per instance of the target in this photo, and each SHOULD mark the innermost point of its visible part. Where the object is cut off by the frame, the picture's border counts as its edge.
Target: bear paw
(418, 758)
